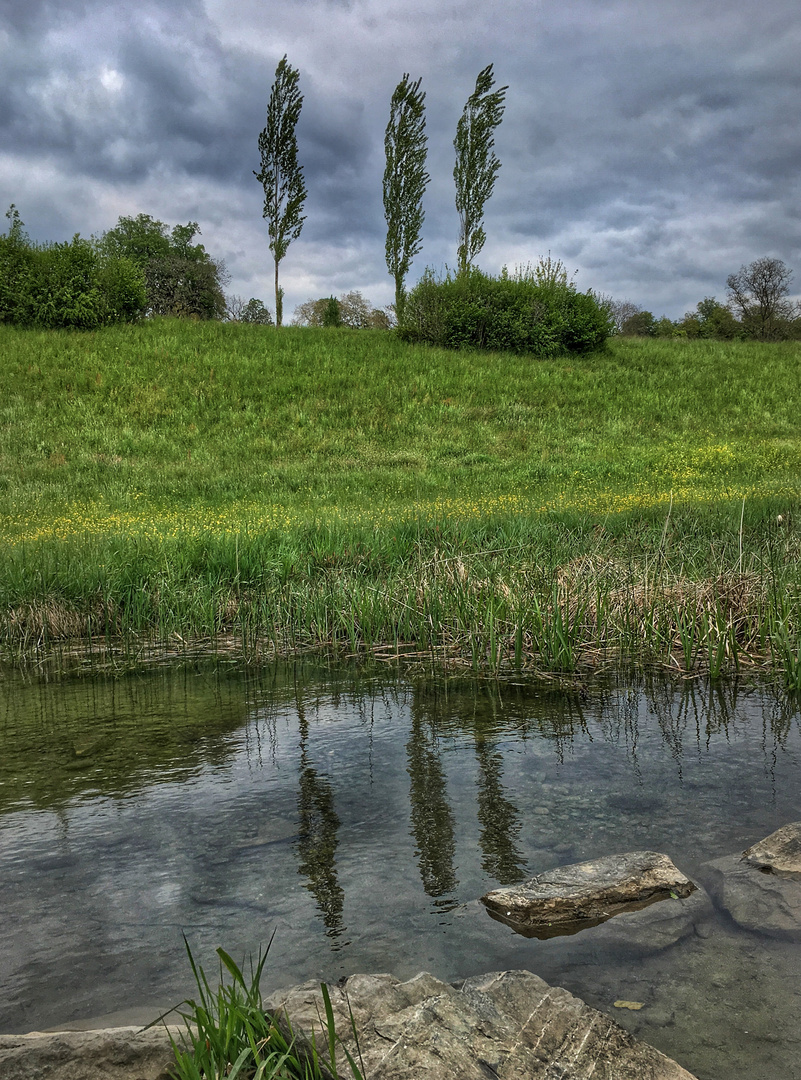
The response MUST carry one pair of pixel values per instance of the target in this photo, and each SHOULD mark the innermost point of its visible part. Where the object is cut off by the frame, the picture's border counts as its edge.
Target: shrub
(536, 310)
(15, 260)
(73, 284)
(62, 287)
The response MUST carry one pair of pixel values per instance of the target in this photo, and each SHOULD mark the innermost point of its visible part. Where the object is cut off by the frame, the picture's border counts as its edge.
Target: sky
(654, 146)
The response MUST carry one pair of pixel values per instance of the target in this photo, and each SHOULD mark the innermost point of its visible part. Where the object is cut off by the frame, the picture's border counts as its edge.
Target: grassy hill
(307, 486)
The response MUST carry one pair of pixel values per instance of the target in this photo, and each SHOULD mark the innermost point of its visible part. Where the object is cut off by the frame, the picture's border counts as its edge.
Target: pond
(358, 817)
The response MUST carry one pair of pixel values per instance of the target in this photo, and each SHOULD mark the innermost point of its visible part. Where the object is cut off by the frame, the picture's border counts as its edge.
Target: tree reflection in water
(317, 844)
(433, 823)
(499, 818)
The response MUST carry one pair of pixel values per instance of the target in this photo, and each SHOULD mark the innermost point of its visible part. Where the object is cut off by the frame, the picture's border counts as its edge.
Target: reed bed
(532, 595)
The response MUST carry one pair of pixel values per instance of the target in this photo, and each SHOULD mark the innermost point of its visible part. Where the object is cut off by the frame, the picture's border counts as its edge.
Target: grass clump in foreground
(229, 1034)
(219, 484)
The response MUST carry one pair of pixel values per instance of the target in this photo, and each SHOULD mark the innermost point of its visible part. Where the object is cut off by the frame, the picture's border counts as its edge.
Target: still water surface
(360, 817)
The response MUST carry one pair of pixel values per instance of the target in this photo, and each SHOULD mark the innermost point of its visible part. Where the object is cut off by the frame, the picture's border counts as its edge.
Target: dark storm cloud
(655, 146)
(28, 19)
(143, 94)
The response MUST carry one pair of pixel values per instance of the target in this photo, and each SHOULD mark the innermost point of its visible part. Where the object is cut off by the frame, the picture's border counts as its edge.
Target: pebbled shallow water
(360, 817)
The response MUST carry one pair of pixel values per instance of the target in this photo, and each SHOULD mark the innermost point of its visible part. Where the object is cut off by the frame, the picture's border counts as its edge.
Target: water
(360, 817)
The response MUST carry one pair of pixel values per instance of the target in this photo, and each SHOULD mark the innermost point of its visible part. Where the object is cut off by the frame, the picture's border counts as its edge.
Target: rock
(507, 1025)
(571, 898)
(779, 853)
(756, 900)
(656, 926)
(126, 1053)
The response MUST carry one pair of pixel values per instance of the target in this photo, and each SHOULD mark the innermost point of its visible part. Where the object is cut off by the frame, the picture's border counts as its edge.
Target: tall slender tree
(476, 163)
(281, 176)
(405, 180)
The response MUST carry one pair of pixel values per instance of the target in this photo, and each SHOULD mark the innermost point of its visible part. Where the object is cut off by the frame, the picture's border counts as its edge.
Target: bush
(72, 284)
(536, 310)
(61, 287)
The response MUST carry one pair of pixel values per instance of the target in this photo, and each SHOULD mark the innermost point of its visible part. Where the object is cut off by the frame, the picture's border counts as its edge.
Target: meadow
(179, 482)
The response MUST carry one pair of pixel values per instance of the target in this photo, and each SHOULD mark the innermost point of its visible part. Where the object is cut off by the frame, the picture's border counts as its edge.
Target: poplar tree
(281, 176)
(405, 180)
(476, 163)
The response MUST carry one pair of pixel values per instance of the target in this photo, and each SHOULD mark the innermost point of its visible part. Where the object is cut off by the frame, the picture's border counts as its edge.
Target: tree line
(758, 307)
(143, 267)
(140, 267)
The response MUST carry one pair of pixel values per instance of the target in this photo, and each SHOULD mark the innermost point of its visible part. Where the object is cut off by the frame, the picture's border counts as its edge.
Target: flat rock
(779, 853)
(125, 1053)
(756, 900)
(507, 1025)
(571, 898)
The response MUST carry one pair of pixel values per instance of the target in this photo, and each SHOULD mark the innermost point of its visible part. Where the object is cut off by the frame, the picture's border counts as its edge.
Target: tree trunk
(400, 299)
(279, 299)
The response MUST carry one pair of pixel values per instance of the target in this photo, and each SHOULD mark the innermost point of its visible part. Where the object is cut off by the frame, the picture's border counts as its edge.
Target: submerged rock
(571, 898)
(761, 889)
(506, 1025)
(656, 926)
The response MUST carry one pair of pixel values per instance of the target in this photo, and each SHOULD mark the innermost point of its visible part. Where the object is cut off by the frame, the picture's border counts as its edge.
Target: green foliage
(229, 1034)
(476, 163)
(15, 260)
(536, 311)
(331, 316)
(62, 287)
(641, 324)
(281, 175)
(141, 239)
(181, 278)
(124, 288)
(664, 327)
(255, 311)
(717, 321)
(709, 320)
(353, 310)
(405, 181)
(75, 285)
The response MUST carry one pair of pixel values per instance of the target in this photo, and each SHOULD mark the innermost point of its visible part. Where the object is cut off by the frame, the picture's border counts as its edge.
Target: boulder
(572, 898)
(506, 1025)
(779, 853)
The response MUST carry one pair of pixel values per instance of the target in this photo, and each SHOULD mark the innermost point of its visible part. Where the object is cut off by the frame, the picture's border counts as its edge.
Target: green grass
(299, 488)
(229, 1033)
(167, 413)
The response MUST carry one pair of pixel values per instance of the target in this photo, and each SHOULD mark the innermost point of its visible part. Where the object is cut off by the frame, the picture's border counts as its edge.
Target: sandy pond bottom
(360, 817)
